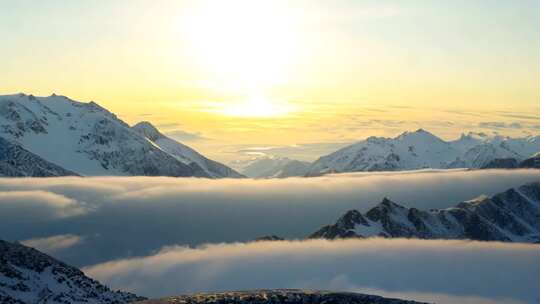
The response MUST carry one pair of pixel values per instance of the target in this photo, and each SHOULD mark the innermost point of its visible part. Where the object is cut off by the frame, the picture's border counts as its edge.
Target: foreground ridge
(30, 276)
(510, 216)
(277, 296)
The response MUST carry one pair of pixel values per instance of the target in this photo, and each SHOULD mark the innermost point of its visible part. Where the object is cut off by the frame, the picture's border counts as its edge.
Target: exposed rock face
(510, 216)
(28, 276)
(279, 296)
(15, 161)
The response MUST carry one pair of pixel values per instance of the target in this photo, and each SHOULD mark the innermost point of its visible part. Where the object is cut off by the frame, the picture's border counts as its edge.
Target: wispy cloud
(184, 136)
(54, 243)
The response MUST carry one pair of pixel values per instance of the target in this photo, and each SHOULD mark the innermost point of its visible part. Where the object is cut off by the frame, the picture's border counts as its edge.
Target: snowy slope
(84, 138)
(511, 216)
(28, 276)
(275, 167)
(421, 149)
(184, 153)
(15, 161)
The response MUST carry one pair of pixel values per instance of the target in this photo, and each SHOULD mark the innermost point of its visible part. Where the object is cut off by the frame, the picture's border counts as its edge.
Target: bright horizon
(227, 77)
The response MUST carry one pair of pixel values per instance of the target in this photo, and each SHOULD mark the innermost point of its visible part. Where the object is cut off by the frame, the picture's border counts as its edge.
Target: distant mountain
(512, 163)
(421, 149)
(531, 162)
(269, 238)
(510, 216)
(502, 163)
(184, 153)
(278, 296)
(275, 167)
(85, 138)
(15, 161)
(28, 276)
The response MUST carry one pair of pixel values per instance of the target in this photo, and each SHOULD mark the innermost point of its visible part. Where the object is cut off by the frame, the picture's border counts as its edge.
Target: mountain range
(66, 137)
(510, 216)
(421, 149)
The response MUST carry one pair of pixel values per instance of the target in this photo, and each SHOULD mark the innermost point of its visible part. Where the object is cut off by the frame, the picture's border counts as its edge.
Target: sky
(307, 76)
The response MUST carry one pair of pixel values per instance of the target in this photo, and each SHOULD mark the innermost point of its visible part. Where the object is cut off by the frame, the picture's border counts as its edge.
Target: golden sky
(224, 75)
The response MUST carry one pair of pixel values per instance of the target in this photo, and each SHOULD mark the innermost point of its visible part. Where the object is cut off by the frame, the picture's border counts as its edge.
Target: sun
(245, 46)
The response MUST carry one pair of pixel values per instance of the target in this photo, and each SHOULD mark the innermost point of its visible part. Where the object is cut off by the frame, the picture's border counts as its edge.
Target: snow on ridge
(87, 139)
(421, 149)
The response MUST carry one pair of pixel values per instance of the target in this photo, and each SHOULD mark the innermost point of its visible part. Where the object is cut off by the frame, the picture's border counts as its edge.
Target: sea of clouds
(85, 221)
(435, 271)
(161, 236)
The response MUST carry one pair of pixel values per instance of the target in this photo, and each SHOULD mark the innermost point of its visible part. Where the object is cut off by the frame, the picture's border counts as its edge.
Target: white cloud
(53, 243)
(37, 205)
(441, 271)
(134, 216)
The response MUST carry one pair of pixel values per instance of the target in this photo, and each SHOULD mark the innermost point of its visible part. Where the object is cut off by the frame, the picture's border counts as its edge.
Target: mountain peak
(420, 133)
(510, 216)
(148, 130)
(389, 204)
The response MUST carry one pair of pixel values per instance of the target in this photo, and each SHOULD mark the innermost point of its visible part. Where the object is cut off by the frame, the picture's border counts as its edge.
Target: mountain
(278, 296)
(275, 167)
(15, 161)
(421, 149)
(28, 276)
(510, 216)
(531, 162)
(184, 153)
(502, 163)
(84, 138)
(512, 163)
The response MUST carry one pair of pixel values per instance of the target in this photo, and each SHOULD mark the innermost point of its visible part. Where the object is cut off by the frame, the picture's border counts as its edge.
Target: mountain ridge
(278, 296)
(510, 216)
(89, 140)
(421, 149)
(30, 276)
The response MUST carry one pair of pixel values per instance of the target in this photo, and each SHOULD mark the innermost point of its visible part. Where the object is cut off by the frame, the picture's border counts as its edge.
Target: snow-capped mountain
(184, 153)
(421, 149)
(510, 216)
(84, 138)
(279, 296)
(28, 276)
(275, 167)
(15, 161)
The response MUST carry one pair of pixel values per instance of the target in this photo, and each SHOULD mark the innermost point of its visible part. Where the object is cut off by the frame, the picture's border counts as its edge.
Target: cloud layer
(432, 270)
(120, 217)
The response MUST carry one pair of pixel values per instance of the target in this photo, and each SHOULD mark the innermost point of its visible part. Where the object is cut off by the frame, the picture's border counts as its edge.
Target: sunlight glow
(257, 106)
